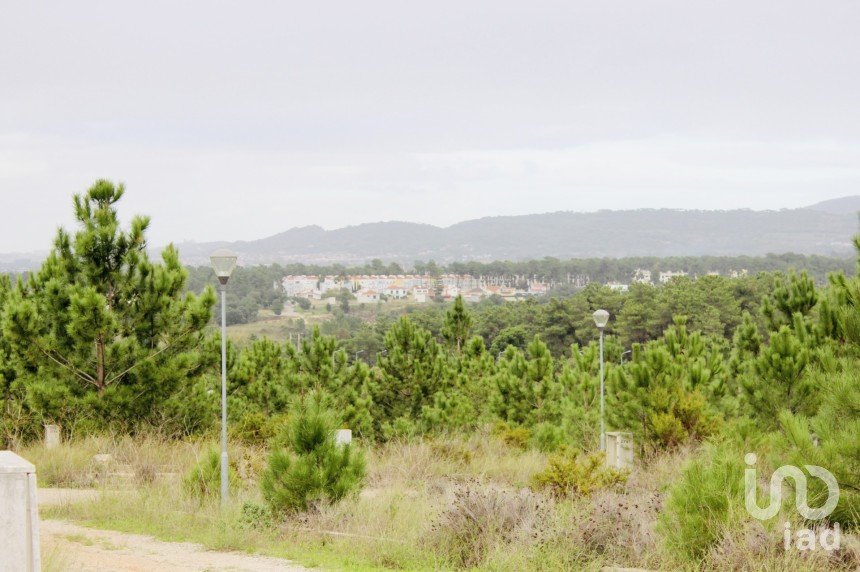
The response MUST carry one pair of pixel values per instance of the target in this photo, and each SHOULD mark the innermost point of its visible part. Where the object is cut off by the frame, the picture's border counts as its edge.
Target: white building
(642, 276)
(365, 296)
(668, 275)
(331, 283)
(396, 291)
(449, 292)
(473, 295)
(299, 285)
(420, 294)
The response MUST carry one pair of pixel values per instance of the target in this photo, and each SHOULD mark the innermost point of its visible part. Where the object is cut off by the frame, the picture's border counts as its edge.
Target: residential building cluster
(642, 276)
(418, 288)
(421, 288)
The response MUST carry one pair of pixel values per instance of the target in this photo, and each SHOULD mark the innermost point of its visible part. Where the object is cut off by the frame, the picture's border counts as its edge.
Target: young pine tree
(411, 370)
(830, 439)
(670, 392)
(100, 329)
(840, 310)
(793, 294)
(313, 468)
(458, 324)
(778, 381)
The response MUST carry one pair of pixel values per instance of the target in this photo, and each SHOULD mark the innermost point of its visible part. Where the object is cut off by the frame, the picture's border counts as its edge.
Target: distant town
(423, 288)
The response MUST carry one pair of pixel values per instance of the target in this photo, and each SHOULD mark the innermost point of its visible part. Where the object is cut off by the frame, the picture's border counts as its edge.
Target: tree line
(256, 288)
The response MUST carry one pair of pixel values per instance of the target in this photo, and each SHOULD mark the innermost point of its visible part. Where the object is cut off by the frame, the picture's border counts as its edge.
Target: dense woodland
(102, 337)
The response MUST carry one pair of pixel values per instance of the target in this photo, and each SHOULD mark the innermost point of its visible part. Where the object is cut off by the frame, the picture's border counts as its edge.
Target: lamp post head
(223, 263)
(601, 318)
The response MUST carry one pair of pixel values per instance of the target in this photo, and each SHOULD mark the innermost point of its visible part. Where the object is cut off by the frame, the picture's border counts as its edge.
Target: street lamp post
(601, 318)
(223, 263)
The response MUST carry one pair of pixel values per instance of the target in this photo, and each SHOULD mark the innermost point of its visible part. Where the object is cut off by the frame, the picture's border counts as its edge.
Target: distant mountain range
(824, 228)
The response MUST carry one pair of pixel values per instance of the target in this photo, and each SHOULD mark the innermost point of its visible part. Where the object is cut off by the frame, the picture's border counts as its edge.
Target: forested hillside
(612, 234)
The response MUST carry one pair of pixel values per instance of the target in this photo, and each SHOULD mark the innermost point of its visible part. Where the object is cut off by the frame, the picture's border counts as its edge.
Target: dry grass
(480, 518)
(441, 461)
(755, 547)
(133, 460)
(435, 504)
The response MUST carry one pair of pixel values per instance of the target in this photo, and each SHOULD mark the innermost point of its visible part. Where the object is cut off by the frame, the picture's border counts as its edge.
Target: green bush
(548, 437)
(571, 474)
(204, 478)
(313, 469)
(256, 517)
(517, 437)
(256, 427)
(707, 501)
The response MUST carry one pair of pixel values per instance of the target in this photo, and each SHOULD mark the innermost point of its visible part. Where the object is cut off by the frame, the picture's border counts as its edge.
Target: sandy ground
(67, 546)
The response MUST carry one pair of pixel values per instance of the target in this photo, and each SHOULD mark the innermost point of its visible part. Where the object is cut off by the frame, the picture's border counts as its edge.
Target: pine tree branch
(140, 361)
(64, 363)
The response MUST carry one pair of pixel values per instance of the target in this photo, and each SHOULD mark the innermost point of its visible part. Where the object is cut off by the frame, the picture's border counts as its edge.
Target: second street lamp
(223, 263)
(601, 318)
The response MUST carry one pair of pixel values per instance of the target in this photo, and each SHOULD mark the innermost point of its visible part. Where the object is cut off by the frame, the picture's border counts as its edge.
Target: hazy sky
(241, 119)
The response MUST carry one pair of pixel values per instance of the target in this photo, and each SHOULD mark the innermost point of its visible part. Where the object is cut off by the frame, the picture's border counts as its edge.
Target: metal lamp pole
(224, 461)
(601, 318)
(223, 262)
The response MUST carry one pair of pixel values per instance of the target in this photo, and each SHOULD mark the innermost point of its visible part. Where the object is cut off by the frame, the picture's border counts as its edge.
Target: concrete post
(19, 516)
(52, 436)
(343, 437)
(619, 450)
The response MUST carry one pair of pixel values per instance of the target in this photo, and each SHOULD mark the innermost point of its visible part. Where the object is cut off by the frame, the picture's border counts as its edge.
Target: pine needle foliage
(313, 469)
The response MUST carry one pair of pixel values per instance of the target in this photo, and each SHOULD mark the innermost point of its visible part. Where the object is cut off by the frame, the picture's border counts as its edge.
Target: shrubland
(470, 450)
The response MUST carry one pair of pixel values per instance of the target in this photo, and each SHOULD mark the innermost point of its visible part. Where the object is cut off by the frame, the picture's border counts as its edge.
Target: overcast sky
(237, 120)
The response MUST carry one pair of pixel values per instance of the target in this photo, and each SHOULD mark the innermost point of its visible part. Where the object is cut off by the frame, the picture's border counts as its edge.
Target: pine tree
(525, 384)
(840, 310)
(778, 382)
(458, 324)
(462, 403)
(829, 439)
(410, 372)
(312, 468)
(746, 345)
(102, 328)
(793, 294)
(671, 390)
(265, 376)
(257, 388)
(638, 317)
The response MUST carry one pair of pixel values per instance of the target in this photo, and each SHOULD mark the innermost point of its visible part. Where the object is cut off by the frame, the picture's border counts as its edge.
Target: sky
(238, 120)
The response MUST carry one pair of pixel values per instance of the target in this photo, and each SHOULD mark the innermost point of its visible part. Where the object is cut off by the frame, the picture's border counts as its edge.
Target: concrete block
(19, 516)
(343, 436)
(52, 436)
(619, 450)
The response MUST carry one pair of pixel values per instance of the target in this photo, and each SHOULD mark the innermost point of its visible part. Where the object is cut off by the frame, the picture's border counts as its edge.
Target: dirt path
(67, 546)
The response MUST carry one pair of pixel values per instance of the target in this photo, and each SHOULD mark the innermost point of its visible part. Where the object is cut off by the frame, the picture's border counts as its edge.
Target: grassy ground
(445, 503)
(279, 327)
